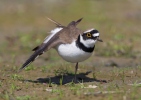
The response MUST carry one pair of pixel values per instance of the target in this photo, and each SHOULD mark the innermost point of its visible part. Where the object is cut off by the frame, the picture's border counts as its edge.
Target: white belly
(71, 53)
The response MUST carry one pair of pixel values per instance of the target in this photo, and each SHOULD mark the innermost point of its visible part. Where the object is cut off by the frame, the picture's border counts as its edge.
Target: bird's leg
(76, 67)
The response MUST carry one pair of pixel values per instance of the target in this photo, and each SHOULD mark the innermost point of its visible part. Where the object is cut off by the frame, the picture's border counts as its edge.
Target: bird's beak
(100, 40)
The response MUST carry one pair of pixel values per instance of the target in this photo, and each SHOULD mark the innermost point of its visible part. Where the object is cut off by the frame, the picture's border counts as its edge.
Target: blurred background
(23, 26)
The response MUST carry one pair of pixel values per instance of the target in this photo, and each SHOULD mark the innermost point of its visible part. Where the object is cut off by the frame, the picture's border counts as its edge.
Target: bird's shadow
(67, 78)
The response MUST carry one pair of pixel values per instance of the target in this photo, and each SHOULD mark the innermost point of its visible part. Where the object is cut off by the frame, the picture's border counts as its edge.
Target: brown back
(66, 35)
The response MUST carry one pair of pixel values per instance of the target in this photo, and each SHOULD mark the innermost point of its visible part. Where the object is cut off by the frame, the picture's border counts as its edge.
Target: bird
(71, 43)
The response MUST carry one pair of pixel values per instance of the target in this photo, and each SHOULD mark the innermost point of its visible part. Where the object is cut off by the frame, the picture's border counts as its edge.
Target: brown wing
(66, 35)
(71, 32)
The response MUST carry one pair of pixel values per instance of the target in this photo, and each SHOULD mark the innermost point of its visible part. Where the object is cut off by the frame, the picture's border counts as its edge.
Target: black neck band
(83, 47)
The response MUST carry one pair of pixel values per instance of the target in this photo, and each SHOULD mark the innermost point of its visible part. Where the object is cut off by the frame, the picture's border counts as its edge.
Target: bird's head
(90, 37)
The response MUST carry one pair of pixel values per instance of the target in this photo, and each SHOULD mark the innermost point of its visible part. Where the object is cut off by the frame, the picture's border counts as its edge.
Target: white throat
(88, 43)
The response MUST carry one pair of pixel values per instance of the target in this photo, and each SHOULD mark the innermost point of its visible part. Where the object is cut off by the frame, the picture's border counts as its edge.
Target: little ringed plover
(71, 43)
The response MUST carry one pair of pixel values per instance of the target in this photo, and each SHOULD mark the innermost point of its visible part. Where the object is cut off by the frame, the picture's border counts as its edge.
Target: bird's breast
(72, 53)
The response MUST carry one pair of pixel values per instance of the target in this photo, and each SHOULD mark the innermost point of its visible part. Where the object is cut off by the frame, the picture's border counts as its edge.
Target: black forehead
(94, 31)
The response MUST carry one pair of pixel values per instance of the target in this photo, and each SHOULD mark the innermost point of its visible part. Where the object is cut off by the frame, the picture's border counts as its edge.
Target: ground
(113, 72)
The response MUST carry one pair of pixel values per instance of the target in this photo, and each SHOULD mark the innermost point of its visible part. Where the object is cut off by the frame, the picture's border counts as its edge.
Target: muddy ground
(112, 73)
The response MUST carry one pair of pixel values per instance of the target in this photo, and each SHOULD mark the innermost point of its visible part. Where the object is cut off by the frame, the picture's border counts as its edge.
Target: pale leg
(76, 67)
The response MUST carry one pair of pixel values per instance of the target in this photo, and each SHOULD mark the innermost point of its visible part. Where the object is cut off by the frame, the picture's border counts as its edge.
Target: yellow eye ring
(89, 35)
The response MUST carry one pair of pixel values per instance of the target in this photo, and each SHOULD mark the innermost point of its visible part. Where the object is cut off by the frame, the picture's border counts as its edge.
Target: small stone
(91, 86)
(49, 90)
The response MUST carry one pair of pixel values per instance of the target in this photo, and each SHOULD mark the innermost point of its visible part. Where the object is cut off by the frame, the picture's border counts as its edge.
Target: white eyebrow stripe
(96, 34)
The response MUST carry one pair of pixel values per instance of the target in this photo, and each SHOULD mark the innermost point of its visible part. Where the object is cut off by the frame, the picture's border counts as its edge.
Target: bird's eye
(89, 35)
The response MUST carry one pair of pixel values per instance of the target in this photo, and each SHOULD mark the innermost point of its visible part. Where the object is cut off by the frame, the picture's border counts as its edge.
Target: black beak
(100, 40)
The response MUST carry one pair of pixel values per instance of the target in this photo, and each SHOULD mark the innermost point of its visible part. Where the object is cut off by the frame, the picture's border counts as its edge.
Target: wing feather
(48, 43)
(59, 35)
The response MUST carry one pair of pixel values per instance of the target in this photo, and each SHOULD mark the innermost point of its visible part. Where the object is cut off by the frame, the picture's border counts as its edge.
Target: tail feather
(36, 54)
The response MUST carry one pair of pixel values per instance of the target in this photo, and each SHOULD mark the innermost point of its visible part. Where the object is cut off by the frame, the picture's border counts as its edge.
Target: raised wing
(48, 43)
(74, 23)
(52, 40)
